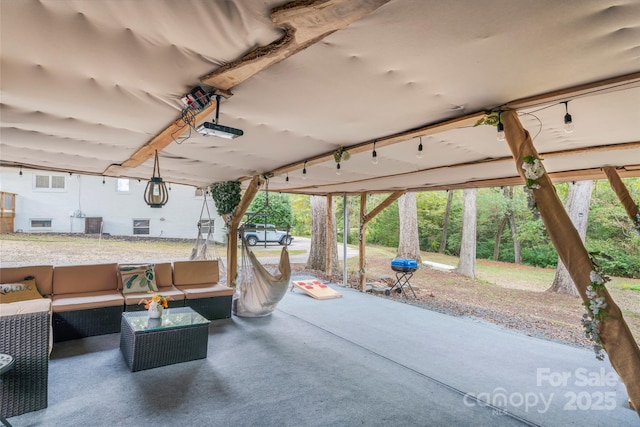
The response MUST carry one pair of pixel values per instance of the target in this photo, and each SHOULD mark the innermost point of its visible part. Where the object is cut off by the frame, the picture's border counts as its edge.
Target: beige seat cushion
(196, 292)
(30, 306)
(172, 293)
(24, 307)
(87, 300)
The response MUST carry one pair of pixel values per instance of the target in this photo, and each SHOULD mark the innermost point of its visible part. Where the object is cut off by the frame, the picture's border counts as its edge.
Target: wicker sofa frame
(24, 388)
(73, 325)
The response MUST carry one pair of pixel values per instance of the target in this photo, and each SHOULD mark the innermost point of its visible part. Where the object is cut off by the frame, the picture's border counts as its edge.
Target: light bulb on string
(419, 153)
(287, 178)
(103, 180)
(20, 170)
(338, 171)
(304, 170)
(374, 155)
(568, 120)
(501, 137)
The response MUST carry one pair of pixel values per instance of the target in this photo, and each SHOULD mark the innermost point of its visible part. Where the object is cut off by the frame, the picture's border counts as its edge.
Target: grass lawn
(507, 294)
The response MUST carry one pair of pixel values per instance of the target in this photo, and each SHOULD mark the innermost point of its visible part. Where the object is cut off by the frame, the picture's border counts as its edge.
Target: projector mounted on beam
(216, 129)
(210, 128)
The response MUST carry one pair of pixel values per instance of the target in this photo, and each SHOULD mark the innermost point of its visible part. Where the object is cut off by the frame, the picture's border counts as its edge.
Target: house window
(122, 185)
(49, 182)
(57, 182)
(141, 226)
(41, 223)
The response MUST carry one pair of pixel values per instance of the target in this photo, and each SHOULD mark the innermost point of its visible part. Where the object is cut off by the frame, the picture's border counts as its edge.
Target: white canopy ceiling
(86, 84)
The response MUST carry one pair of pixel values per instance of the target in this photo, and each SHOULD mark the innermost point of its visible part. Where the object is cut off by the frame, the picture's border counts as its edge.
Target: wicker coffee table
(180, 335)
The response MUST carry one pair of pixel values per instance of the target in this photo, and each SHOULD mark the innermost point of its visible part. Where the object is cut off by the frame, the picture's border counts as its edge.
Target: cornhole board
(315, 289)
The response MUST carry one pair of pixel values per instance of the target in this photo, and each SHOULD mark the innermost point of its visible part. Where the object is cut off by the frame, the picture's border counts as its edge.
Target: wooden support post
(617, 339)
(363, 243)
(621, 191)
(364, 219)
(328, 266)
(233, 223)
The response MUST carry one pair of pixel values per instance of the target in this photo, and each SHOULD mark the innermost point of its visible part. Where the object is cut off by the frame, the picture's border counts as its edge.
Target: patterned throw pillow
(138, 278)
(22, 291)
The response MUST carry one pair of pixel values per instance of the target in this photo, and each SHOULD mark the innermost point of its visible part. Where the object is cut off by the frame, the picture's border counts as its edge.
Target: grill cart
(404, 269)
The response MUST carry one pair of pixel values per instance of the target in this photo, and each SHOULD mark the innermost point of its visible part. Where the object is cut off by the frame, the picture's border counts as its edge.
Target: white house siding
(86, 196)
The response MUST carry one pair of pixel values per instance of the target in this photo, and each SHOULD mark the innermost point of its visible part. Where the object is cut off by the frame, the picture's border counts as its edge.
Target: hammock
(261, 291)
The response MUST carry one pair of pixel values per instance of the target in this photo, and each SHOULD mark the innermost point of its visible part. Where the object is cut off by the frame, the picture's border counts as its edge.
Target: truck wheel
(251, 240)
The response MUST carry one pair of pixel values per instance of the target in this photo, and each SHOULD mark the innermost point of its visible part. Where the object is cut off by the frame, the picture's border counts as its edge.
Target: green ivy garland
(226, 196)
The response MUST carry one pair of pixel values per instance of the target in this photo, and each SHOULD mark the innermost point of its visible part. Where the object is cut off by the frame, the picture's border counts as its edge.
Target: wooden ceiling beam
(159, 142)
(626, 171)
(305, 22)
(626, 81)
(432, 129)
(602, 86)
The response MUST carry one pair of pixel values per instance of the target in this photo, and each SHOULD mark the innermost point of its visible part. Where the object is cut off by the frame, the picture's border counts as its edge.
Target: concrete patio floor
(356, 360)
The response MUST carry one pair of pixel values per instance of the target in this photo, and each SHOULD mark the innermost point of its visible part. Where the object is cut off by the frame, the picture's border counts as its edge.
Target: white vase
(155, 310)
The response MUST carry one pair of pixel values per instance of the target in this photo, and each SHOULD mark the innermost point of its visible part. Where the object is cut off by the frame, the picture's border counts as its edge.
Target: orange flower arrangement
(160, 299)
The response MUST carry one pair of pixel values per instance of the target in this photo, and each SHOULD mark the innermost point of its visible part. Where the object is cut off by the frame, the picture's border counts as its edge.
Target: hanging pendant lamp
(156, 194)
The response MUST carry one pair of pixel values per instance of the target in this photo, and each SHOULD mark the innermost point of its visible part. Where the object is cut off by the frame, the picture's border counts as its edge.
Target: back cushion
(42, 273)
(85, 278)
(164, 276)
(195, 272)
(137, 278)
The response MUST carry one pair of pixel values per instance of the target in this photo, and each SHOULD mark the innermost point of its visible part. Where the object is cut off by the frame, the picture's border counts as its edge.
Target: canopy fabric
(261, 291)
(90, 83)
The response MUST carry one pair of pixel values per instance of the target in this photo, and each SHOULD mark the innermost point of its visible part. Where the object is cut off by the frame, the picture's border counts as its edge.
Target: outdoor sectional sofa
(83, 300)
(25, 334)
(89, 300)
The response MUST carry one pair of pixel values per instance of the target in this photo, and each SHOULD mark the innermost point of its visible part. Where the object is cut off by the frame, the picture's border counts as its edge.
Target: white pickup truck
(265, 233)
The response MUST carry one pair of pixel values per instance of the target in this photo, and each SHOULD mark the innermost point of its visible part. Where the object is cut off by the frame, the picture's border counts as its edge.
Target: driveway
(301, 243)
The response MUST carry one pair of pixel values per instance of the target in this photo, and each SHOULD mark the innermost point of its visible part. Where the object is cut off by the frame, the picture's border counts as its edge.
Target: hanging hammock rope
(200, 250)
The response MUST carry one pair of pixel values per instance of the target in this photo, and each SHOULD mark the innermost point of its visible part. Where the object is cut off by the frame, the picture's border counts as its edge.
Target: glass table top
(171, 318)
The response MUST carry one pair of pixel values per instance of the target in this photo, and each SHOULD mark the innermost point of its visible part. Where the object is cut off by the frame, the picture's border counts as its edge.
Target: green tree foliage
(278, 212)
(301, 208)
(610, 230)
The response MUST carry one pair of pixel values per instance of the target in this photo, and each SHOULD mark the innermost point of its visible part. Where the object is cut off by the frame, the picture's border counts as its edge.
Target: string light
(419, 154)
(374, 155)
(568, 121)
(500, 135)
(103, 180)
(287, 178)
(338, 171)
(20, 170)
(304, 170)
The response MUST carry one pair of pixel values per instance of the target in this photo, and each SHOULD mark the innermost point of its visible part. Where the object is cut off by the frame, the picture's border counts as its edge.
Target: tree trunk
(517, 252)
(577, 207)
(496, 246)
(445, 225)
(319, 235)
(467, 264)
(409, 243)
